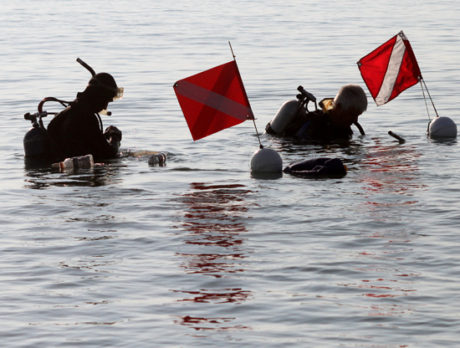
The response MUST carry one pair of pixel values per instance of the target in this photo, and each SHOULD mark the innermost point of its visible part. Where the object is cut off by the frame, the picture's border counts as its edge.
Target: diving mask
(119, 93)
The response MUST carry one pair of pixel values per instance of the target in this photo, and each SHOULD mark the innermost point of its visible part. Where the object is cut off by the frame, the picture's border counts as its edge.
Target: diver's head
(101, 90)
(105, 86)
(348, 104)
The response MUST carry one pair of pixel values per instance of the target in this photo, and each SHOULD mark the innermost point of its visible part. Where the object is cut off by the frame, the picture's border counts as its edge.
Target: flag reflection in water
(391, 183)
(213, 220)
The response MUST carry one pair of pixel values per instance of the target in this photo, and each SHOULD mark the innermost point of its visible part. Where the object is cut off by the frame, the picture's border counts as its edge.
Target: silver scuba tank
(284, 116)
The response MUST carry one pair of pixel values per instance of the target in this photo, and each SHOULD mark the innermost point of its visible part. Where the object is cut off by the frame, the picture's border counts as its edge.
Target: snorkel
(105, 83)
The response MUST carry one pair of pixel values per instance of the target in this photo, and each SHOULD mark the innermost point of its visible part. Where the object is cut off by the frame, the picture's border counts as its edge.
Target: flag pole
(253, 118)
(424, 99)
(429, 95)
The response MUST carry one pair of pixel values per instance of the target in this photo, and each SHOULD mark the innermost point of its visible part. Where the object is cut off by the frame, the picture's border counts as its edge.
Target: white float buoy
(442, 127)
(266, 161)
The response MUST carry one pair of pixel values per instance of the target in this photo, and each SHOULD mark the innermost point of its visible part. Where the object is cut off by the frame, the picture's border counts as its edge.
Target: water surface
(200, 253)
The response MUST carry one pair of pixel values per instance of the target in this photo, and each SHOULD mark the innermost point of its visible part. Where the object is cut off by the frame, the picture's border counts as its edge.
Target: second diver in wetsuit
(331, 123)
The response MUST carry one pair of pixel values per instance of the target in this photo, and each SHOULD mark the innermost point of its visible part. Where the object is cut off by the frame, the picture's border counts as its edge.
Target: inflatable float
(317, 167)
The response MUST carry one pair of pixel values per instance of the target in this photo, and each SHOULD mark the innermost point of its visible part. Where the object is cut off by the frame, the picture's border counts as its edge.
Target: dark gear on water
(317, 167)
(77, 130)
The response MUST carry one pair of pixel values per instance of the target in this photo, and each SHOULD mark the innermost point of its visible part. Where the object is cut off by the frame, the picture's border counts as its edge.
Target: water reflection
(226, 295)
(384, 284)
(444, 141)
(389, 179)
(389, 176)
(212, 264)
(94, 265)
(213, 220)
(42, 178)
(214, 217)
(290, 146)
(203, 324)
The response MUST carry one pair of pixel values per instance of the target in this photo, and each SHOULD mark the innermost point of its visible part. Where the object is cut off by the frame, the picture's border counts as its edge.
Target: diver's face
(342, 117)
(102, 104)
(106, 104)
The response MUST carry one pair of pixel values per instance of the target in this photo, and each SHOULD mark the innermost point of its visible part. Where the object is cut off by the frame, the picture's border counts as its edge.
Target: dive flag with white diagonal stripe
(213, 100)
(390, 69)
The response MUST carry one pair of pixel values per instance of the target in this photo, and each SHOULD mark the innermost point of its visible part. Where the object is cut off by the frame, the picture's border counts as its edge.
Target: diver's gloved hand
(112, 134)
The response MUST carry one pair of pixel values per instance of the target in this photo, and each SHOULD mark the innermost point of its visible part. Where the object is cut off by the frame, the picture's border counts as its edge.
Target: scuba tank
(36, 141)
(288, 112)
(283, 117)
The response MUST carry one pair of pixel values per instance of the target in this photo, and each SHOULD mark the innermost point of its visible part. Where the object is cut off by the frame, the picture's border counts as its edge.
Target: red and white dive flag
(213, 100)
(390, 69)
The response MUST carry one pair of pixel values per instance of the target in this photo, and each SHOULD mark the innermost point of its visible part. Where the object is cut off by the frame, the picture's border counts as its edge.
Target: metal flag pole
(422, 83)
(253, 118)
(426, 104)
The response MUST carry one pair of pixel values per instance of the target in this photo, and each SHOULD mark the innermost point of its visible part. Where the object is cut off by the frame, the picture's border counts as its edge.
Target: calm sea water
(200, 253)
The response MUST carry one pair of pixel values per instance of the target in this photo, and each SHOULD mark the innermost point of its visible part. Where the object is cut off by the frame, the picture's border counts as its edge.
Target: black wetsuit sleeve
(100, 147)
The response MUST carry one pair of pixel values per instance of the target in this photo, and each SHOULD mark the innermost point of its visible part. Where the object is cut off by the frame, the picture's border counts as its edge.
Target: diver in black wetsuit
(331, 123)
(77, 130)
